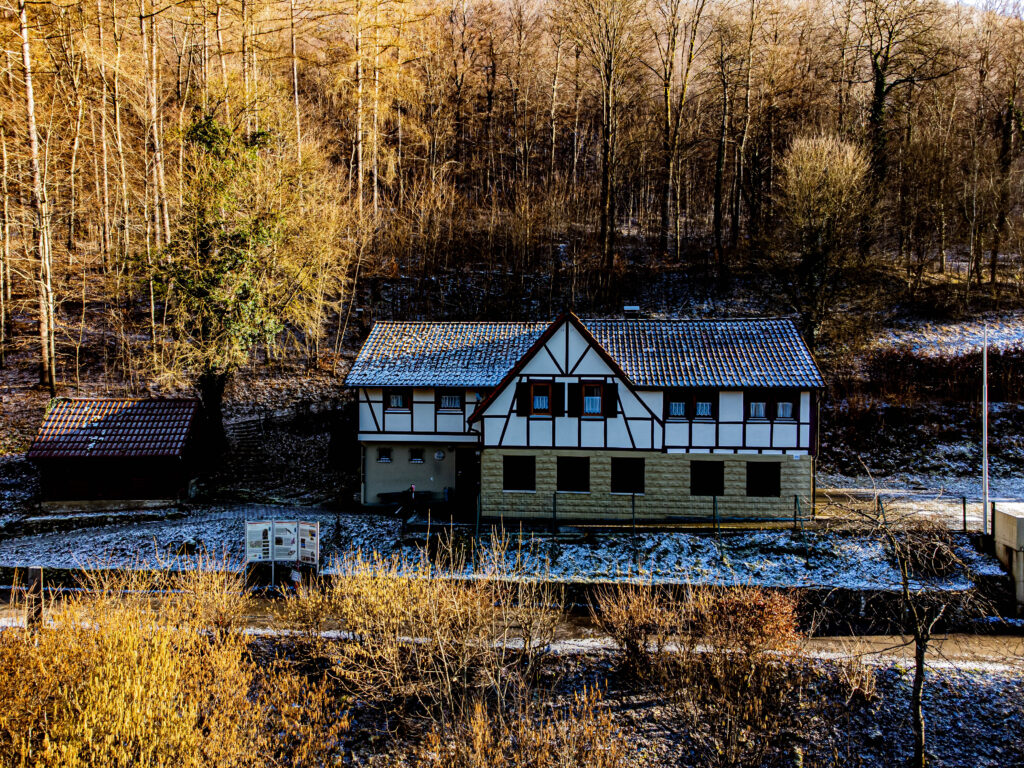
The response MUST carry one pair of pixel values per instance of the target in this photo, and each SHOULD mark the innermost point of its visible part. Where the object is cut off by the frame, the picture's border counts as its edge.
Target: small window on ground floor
(764, 478)
(574, 474)
(627, 475)
(415, 455)
(384, 455)
(707, 478)
(519, 473)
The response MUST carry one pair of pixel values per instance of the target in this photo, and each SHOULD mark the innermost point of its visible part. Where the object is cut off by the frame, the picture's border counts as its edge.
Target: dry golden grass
(117, 677)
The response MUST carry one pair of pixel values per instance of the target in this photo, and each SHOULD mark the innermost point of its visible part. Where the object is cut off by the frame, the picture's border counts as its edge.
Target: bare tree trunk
(295, 81)
(41, 221)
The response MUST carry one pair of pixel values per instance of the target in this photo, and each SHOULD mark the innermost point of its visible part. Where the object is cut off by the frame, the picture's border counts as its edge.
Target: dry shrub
(121, 677)
(746, 683)
(420, 639)
(642, 619)
(581, 734)
(727, 656)
(925, 546)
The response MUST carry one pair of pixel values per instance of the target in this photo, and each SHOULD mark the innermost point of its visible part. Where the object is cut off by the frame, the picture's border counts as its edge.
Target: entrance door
(467, 480)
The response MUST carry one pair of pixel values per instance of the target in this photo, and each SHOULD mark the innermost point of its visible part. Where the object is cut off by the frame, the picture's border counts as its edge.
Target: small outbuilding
(99, 451)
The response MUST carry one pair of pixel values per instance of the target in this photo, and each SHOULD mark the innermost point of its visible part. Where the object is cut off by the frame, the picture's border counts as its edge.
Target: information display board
(282, 541)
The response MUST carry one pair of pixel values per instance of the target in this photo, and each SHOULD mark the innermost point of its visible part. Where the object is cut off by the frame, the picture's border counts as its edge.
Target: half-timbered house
(591, 419)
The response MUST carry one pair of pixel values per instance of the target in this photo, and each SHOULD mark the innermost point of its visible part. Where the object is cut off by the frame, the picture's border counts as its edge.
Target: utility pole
(984, 434)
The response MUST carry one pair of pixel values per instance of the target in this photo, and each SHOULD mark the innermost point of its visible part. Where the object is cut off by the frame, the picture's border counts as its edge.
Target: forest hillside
(198, 188)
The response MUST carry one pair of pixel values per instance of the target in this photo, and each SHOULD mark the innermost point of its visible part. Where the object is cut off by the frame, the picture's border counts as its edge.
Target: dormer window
(540, 398)
(593, 399)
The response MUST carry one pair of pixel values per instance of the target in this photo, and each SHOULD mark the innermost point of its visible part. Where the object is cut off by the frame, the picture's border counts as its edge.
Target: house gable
(563, 366)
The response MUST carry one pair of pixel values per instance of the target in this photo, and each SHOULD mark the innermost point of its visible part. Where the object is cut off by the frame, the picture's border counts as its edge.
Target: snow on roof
(409, 354)
(708, 353)
(114, 428)
(653, 353)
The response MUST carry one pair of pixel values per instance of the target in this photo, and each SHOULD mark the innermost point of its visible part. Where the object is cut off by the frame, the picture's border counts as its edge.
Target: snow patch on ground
(1005, 331)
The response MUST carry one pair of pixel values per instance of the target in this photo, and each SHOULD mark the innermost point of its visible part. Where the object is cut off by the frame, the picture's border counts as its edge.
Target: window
(763, 478)
(574, 474)
(397, 399)
(415, 455)
(677, 409)
(627, 475)
(787, 406)
(707, 478)
(449, 400)
(592, 400)
(541, 398)
(757, 409)
(681, 403)
(383, 455)
(519, 473)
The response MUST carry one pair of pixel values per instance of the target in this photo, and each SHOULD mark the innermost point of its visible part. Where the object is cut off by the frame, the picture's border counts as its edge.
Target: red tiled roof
(115, 428)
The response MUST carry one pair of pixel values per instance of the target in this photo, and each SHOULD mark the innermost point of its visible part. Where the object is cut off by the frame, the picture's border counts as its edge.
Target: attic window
(540, 395)
(592, 397)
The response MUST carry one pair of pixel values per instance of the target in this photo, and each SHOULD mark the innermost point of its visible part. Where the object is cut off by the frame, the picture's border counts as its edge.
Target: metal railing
(563, 508)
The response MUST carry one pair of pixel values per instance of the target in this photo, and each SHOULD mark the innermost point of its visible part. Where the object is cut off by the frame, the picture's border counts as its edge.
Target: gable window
(573, 474)
(707, 478)
(627, 475)
(415, 455)
(540, 395)
(519, 473)
(449, 400)
(397, 399)
(764, 478)
(592, 397)
(540, 398)
(383, 455)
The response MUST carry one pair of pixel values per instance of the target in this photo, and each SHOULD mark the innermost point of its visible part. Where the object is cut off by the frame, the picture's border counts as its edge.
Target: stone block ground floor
(648, 485)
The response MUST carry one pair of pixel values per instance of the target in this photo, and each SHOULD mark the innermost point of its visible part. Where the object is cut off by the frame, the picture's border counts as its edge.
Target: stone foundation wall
(666, 488)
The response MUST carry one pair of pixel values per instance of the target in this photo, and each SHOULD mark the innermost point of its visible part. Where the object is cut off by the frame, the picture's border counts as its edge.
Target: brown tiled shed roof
(115, 428)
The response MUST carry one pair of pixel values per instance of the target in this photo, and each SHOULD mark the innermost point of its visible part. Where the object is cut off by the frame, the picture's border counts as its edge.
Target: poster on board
(309, 543)
(258, 547)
